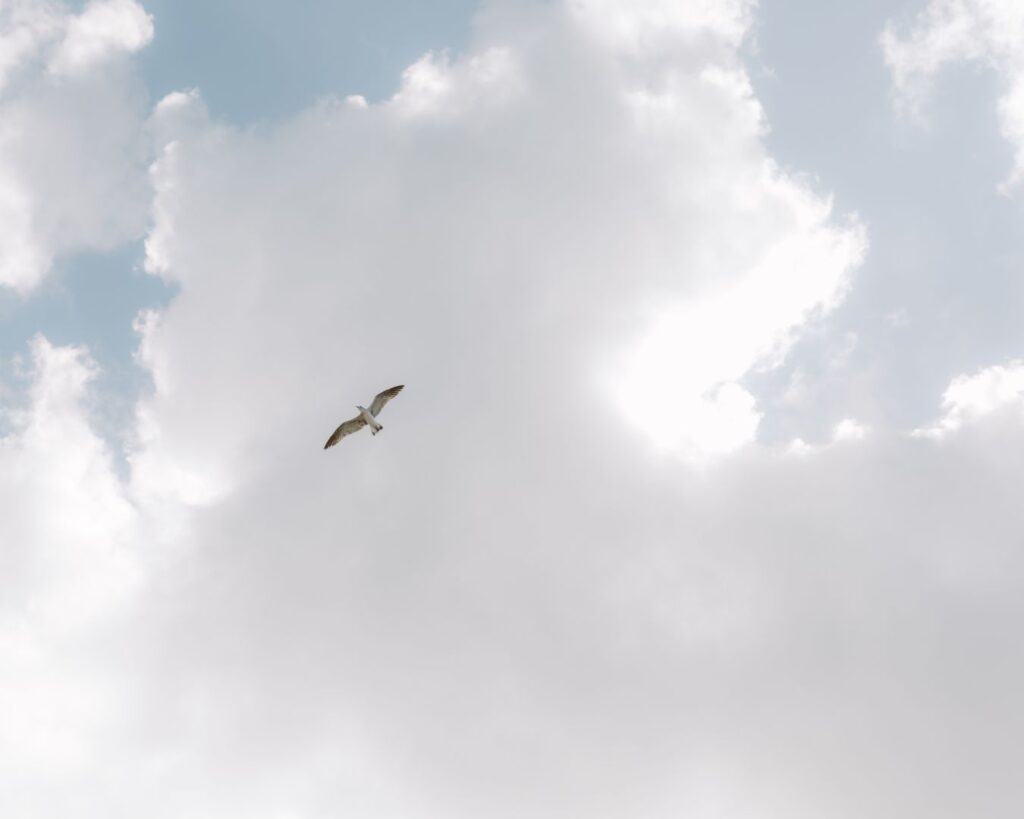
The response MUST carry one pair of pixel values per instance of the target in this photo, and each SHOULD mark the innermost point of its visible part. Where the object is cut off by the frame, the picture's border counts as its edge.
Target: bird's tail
(374, 431)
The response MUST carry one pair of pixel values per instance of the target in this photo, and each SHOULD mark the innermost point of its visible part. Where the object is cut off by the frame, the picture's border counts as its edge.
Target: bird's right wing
(350, 426)
(381, 398)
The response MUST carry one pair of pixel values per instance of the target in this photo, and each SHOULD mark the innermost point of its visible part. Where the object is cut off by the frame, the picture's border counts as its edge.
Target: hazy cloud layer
(565, 580)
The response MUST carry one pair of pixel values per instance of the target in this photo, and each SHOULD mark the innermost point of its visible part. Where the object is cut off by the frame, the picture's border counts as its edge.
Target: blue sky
(257, 62)
(702, 494)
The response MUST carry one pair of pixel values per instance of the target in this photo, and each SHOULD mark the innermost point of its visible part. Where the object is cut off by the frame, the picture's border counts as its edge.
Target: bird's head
(361, 409)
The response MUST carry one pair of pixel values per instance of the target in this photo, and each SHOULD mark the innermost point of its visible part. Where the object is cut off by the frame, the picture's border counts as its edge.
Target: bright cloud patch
(105, 28)
(972, 397)
(72, 149)
(849, 430)
(53, 461)
(949, 31)
(681, 383)
(70, 563)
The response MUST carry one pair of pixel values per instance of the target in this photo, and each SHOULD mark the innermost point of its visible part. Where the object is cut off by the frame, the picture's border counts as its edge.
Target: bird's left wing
(350, 426)
(383, 397)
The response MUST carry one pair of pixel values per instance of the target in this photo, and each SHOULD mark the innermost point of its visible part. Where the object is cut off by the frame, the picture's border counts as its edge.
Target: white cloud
(971, 397)
(989, 32)
(638, 27)
(72, 147)
(25, 27)
(502, 606)
(849, 429)
(681, 149)
(54, 461)
(105, 28)
(682, 379)
(70, 564)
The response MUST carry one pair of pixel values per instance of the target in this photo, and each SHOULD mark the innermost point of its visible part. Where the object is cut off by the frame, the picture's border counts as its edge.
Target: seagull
(366, 417)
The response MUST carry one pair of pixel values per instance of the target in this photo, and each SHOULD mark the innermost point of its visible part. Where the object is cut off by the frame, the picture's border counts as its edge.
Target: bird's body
(365, 418)
(369, 420)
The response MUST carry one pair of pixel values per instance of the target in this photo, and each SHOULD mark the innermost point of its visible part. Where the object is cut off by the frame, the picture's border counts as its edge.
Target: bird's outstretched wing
(382, 398)
(350, 426)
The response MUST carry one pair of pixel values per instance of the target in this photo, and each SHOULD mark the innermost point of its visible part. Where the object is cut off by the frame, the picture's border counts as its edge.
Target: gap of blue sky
(255, 60)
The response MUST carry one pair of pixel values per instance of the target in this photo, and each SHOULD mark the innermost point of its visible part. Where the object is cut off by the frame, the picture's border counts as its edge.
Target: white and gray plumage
(366, 417)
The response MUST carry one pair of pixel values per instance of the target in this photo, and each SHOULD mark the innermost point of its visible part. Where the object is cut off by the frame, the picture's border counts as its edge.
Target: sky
(701, 498)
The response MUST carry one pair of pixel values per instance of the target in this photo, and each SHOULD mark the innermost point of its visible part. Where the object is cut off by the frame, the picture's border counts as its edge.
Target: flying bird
(366, 417)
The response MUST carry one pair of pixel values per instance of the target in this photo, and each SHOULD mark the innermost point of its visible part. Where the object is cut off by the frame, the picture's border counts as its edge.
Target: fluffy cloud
(71, 562)
(73, 150)
(972, 397)
(104, 29)
(989, 32)
(572, 165)
(510, 603)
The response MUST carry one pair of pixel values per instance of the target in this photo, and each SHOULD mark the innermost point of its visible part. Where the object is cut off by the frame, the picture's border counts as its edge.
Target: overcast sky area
(701, 499)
